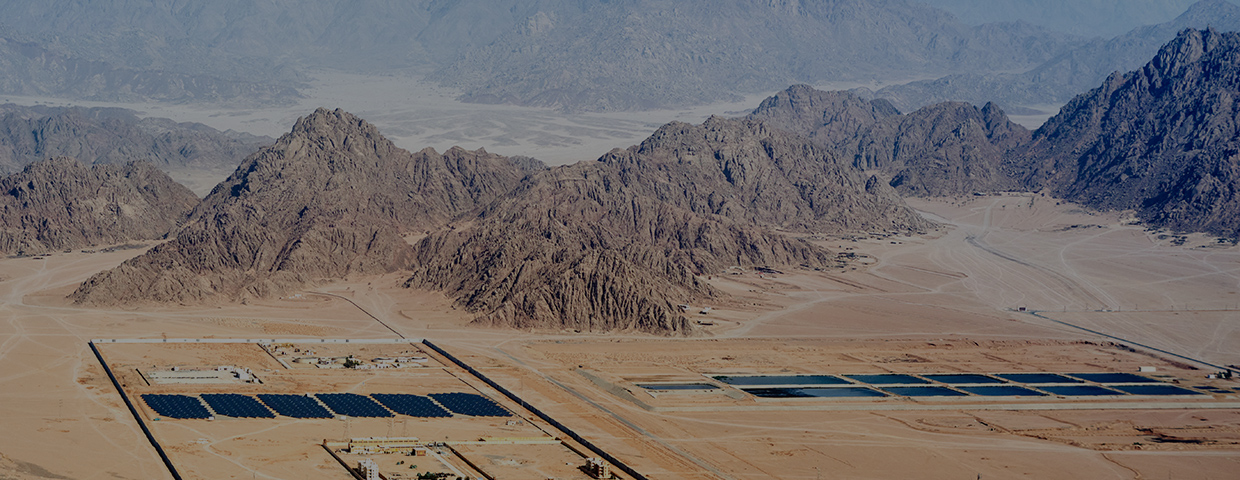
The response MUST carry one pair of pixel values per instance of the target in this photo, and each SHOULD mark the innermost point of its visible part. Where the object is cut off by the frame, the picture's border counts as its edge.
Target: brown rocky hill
(59, 203)
(950, 148)
(329, 199)
(617, 244)
(1163, 140)
(115, 135)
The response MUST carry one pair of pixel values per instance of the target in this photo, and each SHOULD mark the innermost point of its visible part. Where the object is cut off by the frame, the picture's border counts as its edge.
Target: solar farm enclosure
(286, 415)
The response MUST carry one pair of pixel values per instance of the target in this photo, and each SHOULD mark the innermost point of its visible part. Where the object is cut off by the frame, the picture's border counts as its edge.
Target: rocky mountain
(330, 199)
(617, 244)
(1065, 75)
(113, 135)
(59, 203)
(1162, 140)
(950, 148)
(614, 244)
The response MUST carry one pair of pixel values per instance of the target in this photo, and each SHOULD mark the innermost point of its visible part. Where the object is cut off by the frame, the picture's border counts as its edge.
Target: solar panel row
(233, 405)
(353, 405)
(176, 406)
(411, 405)
(470, 404)
(296, 406)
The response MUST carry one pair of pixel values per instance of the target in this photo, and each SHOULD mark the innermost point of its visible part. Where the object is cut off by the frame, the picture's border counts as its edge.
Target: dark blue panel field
(296, 406)
(962, 378)
(176, 406)
(1037, 378)
(924, 391)
(887, 379)
(411, 405)
(1080, 391)
(353, 405)
(470, 404)
(761, 380)
(234, 405)
(1112, 377)
(1003, 391)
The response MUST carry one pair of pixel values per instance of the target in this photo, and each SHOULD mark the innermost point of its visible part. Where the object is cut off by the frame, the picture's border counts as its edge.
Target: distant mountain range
(580, 56)
(1066, 74)
(115, 136)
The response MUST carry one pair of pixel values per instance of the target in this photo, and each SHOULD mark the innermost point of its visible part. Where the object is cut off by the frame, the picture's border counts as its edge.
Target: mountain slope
(113, 135)
(617, 244)
(949, 148)
(59, 203)
(329, 199)
(1163, 140)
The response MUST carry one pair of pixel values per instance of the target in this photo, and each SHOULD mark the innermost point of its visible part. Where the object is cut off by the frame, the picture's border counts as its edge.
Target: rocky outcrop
(949, 148)
(330, 199)
(1161, 140)
(617, 244)
(59, 204)
(114, 135)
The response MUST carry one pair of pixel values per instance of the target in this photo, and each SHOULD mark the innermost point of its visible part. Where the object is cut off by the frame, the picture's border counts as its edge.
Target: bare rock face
(329, 199)
(619, 243)
(1162, 140)
(59, 203)
(950, 148)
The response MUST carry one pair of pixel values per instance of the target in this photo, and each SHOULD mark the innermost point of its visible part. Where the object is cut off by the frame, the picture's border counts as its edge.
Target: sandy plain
(943, 302)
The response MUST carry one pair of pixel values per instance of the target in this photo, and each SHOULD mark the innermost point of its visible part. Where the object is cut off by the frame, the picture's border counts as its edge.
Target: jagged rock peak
(329, 199)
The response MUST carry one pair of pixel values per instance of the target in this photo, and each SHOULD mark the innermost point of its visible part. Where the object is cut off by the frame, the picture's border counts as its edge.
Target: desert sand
(945, 302)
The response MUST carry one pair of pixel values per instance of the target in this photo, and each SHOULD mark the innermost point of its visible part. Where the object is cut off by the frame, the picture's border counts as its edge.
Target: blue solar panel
(887, 379)
(233, 405)
(828, 392)
(296, 406)
(1037, 378)
(411, 405)
(353, 405)
(176, 406)
(470, 404)
(962, 378)
(1112, 377)
(1079, 390)
(924, 391)
(1002, 391)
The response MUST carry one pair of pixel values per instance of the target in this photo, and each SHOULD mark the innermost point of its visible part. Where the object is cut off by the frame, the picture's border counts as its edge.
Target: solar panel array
(353, 405)
(176, 406)
(1031, 384)
(470, 404)
(296, 406)
(411, 405)
(233, 405)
